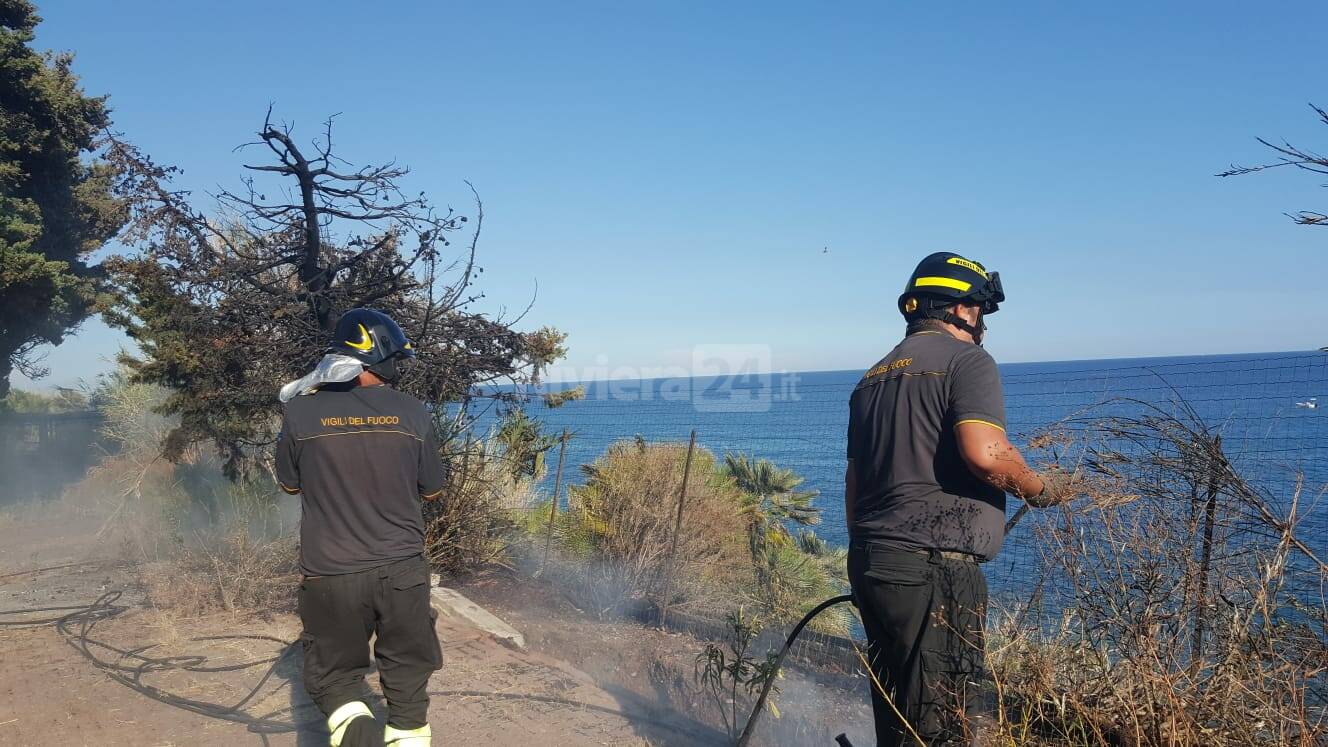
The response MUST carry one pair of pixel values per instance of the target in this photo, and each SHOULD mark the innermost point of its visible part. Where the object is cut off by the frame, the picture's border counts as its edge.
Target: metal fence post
(1216, 470)
(677, 529)
(553, 509)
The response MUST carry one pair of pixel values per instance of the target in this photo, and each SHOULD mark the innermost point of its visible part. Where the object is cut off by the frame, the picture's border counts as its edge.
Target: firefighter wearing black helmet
(929, 466)
(362, 455)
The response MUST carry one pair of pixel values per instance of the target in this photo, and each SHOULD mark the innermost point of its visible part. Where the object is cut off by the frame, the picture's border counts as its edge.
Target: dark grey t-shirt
(362, 457)
(913, 488)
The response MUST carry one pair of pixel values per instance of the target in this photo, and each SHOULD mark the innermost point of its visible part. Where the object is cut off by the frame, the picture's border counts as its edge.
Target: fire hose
(750, 728)
(752, 720)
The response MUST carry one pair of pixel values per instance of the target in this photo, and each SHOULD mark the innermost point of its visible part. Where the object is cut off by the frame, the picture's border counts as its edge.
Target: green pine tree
(56, 205)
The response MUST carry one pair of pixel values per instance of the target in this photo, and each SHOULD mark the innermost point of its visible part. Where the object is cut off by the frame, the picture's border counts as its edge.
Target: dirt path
(655, 670)
(52, 693)
(127, 673)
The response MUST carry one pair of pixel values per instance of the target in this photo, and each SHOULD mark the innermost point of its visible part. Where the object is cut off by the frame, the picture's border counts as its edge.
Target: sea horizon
(1126, 362)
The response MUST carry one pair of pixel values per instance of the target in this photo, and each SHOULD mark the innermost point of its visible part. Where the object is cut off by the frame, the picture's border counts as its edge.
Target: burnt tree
(228, 305)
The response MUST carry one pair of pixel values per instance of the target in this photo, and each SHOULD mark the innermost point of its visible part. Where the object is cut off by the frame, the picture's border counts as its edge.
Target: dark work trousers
(923, 614)
(340, 613)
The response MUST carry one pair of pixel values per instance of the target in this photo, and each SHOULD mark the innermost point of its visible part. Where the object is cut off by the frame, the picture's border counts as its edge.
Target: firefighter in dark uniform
(929, 465)
(363, 455)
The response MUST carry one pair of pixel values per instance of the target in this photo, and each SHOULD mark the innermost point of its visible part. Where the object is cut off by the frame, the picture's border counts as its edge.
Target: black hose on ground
(750, 728)
(81, 640)
(35, 571)
(128, 666)
(87, 616)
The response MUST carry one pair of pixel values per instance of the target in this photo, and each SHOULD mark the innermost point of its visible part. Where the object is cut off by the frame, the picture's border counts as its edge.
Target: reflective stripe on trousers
(393, 737)
(340, 719)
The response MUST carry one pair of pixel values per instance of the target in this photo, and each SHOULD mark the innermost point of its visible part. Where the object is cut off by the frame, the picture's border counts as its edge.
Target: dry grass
(215, 546)
(224, 572)
(1190, 614)
(473, 524)
(203, 543)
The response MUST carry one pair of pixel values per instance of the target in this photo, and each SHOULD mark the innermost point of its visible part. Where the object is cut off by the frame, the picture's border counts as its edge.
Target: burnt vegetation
(229, 303)
(1179, 601)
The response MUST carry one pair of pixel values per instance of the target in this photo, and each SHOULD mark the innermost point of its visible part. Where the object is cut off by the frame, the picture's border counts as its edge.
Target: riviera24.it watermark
(731, 378)
(718, 378)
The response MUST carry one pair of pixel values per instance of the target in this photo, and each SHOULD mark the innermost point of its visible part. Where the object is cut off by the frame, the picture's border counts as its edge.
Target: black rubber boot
(363, 732)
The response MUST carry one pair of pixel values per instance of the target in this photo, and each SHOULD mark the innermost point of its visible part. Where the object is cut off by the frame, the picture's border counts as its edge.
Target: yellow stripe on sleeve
(983, 422)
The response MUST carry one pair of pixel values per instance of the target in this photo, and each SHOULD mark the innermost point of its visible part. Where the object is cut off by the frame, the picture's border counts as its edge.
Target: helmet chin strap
(978, 332)
(387, 370)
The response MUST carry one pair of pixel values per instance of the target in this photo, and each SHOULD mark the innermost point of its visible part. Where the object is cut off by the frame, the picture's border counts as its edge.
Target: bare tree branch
(1296, 158)
(229, 305)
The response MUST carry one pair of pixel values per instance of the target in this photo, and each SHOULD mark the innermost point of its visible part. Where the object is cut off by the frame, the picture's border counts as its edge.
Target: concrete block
(450, 602)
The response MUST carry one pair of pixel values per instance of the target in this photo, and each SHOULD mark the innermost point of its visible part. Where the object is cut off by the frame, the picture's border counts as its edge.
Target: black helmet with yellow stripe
(370, 336)
(944, 279)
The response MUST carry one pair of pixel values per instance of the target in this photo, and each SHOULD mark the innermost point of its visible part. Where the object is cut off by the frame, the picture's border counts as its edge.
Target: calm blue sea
(798, 420)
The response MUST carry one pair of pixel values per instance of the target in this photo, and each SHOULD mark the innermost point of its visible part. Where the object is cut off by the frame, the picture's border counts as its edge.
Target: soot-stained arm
(992, 458)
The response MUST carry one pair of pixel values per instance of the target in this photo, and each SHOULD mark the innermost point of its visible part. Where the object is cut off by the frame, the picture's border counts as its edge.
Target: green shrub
(618, 531)
(734, 547)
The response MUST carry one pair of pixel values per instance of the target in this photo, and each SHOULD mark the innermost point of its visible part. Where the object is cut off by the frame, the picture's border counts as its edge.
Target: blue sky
(668, 173)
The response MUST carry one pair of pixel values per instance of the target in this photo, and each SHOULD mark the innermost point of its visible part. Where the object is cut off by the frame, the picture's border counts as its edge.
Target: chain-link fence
(1262, 410)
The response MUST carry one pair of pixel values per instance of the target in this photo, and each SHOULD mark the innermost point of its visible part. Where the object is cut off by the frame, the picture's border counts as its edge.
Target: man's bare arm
(992, 458)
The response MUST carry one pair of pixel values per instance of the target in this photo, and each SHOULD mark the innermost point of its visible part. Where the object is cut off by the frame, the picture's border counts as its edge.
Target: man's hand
(1058, 486)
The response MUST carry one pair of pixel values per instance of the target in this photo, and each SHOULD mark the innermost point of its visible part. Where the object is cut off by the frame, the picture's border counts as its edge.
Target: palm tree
(770, 502)
(773, 495)
(827, 576)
